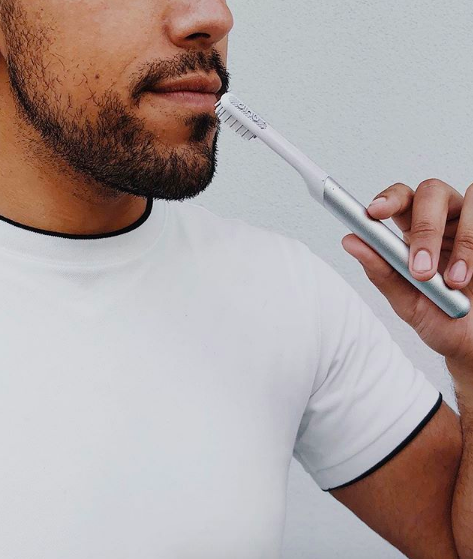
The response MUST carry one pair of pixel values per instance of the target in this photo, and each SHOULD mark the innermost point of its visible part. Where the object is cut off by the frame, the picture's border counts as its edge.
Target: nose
(198, 24)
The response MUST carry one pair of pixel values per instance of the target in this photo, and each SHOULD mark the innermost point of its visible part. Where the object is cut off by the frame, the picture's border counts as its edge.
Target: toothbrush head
(248, 124)
(238, 116)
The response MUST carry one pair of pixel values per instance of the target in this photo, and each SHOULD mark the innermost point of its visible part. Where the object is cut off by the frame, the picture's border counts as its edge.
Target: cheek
(108, 26)
(222, 47)
(95, 44)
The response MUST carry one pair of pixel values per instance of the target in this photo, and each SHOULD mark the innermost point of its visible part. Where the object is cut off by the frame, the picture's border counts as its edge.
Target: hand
(435, 218)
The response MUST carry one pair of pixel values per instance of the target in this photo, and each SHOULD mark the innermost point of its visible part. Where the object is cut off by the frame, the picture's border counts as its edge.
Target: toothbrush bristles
(231, 121)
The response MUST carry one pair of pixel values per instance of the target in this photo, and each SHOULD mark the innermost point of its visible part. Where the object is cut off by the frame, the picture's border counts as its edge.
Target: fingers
(425, 216)
(429, 215)
(461, 259)
(398, 205)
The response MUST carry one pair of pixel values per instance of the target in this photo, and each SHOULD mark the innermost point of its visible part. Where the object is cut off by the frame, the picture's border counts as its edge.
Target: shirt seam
(374, 441)
(319, 327)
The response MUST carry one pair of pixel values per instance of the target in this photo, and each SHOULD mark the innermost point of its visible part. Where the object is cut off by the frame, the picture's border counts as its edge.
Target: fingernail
(422, 261)
(458, 271)
(378, 201)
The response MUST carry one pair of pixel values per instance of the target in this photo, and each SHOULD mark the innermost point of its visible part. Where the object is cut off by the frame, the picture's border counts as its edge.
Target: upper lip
(202, 84)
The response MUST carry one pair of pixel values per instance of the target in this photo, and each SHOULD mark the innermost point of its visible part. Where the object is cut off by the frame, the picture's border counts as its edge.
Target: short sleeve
(368, 400)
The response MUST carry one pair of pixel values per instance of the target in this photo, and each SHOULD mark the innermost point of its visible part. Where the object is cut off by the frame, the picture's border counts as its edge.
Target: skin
(423, 495)
(437, 218)
(83, 144)
(82, 148)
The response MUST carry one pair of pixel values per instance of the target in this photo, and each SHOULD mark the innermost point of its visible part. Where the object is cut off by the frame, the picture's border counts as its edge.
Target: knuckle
(392, 188)
(423, 229)
(465, 241)
(399, 187)
(429, 183)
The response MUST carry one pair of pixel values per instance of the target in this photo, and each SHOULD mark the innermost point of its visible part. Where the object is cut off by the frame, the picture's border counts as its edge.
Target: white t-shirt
(156, 382)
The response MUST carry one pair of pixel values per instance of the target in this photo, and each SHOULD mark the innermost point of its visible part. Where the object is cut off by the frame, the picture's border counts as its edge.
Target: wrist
(462, 374)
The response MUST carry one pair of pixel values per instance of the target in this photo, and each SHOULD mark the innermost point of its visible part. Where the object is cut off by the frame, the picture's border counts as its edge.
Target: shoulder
(254, 255)
(235, 235)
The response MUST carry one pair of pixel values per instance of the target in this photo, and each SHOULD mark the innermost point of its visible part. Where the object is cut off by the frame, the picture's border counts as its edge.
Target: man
(160, 365)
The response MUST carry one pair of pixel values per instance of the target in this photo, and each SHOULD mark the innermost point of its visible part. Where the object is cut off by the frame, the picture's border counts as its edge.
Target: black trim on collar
(137, 223)
(422, 424)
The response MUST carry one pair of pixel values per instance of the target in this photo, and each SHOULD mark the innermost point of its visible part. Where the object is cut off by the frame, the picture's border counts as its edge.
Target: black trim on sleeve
(419, 427)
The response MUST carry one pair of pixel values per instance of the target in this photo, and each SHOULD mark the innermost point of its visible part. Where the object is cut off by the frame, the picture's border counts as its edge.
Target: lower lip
(190, 98)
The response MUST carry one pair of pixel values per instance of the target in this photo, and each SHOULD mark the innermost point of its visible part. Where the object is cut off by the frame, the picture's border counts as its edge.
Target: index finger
(400, 199)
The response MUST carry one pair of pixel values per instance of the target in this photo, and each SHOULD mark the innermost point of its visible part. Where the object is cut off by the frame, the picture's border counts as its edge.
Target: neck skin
(37, 193)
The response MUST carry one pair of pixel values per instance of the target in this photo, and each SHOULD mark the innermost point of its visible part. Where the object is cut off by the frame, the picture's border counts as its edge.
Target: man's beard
(114, 153)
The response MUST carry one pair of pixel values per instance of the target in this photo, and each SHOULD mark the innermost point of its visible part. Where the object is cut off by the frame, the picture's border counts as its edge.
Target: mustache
(192, 61)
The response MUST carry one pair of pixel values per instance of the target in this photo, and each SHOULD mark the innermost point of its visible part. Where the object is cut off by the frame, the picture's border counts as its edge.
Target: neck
(36, 192)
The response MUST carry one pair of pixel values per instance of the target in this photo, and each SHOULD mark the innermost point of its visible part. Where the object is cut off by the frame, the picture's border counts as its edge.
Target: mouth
(190, 99)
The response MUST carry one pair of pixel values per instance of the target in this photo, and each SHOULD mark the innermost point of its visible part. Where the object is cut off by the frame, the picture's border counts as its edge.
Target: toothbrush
(332, 196)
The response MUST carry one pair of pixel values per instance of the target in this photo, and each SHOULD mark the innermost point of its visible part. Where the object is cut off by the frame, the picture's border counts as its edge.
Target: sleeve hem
(351, 468)
(397, 449)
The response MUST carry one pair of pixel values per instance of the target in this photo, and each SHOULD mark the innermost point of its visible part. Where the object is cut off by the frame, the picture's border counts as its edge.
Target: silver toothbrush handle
(391, 247)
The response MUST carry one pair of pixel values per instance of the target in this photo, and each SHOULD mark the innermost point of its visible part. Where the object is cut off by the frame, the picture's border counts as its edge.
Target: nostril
(198, 35)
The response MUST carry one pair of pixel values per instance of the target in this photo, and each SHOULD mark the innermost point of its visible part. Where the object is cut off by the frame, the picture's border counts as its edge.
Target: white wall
(375, 92)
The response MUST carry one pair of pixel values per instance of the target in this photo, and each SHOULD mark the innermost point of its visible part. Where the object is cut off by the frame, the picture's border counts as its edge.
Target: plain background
(374, 92)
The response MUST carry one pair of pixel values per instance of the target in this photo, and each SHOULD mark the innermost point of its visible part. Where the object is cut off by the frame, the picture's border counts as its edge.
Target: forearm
(462, 503)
